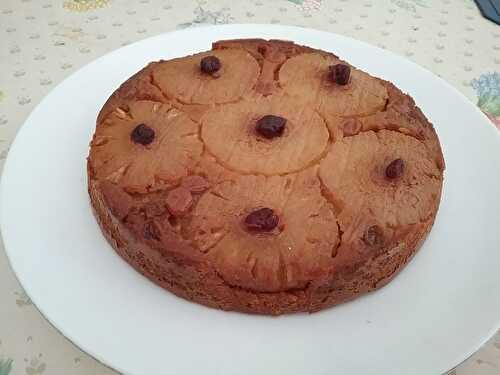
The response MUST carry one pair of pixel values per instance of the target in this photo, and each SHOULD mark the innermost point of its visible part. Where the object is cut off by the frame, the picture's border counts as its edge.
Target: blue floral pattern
(307, 5)
(409, 5)
(5, 366)
(207, 17)
(487, 88)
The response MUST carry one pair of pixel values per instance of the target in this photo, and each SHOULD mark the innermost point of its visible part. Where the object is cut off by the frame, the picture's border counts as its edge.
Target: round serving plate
(437, 312)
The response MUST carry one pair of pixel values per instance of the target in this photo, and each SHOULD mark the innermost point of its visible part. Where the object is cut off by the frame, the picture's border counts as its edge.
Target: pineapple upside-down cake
(264, 177)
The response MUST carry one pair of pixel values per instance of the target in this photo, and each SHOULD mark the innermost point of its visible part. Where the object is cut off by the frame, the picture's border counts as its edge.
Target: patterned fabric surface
(44, 41)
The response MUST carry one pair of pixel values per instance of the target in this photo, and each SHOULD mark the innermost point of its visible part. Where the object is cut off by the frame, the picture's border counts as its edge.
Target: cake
(264, 177)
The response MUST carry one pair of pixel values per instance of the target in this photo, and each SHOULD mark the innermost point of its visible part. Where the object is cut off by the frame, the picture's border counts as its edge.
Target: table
(44, 41)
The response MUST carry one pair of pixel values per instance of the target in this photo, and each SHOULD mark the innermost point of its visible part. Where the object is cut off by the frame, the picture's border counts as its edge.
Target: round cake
(264, 177)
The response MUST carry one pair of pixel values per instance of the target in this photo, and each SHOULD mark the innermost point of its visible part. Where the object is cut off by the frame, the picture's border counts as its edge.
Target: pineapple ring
(302, 245)
(183, 80)
(242, 149)
(306, 77)
(356, 174)
(140, 168)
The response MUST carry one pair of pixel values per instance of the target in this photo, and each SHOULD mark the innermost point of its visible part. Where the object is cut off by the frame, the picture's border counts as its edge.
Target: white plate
(441, 308)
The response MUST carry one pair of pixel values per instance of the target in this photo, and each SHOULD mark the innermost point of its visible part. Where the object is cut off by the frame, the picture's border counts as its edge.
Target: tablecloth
(44, 41)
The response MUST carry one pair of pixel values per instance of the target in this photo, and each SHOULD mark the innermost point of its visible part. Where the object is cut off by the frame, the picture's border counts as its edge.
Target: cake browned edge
(181, 268)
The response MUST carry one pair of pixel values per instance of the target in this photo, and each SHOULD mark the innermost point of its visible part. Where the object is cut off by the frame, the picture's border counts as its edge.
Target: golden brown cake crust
(328, 202)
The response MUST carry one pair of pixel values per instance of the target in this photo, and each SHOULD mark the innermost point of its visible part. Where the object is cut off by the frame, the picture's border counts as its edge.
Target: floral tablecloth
(44, 41)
